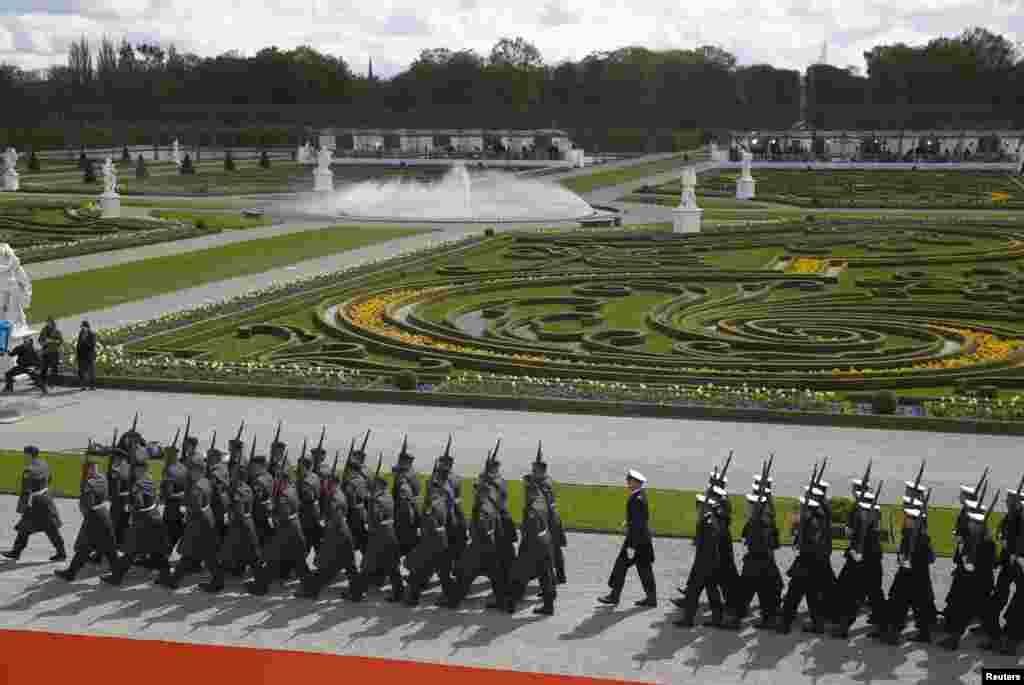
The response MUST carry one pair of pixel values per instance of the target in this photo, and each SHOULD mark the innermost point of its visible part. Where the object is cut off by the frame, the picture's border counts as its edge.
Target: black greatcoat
(97, 530)
(37, 509)
(309, 509)
(407, 517)
(147, 534)
(263, 506)
(382, 550)
(241, 546)
(431, 554)
(200, 540)
(337, 551)
(536, 552)
(288, 544)
(173, 486)
(356, 485)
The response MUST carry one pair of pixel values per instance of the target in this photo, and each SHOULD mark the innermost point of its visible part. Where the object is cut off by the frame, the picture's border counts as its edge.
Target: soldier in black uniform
(1013, 631)
(199, 542)
(861, 576)
(912, 586)
(481, 557)
(707, 559)
(287, 548)
(431, 556)
(382, 550)
(405, 491)
(262, 483)
(455, 519)
(558, 539)
(337, 551)
(506, 535)
(811, 571)
(973, 579)
(241, 546)
(760, 573)
(355, 483)
(97, 530)
(38, 512)
(119, 476)
(147, 535)
(536, 552)
(308, 487)
(173, 486)
(637, 549)
(1010, 571)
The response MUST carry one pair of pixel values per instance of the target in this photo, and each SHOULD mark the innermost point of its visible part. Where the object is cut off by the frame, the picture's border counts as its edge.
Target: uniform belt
(151, 507)
(206, 508)
(439, 530)
(97, 506)
(177, 495)
(388, 522)
(126, 493)
(292, 517)
(37, 494)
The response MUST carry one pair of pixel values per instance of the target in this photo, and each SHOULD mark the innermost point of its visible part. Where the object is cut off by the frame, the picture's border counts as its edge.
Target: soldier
(405, 490)
(707, 559)
(760, 574)
(912, 586)
(287, 548)
(637, 549)
(220, 481)
(458, 531)
(241, 546)
(355, 482)
(38, 512)
(308, 487)
(382, 550)
(337, 551)
(262, 484)
(119, 476)
(97, 530)
(132, 438)
(1010, 571)
(861, 577)
(811, 570)
(173, 486)
(727, 576)
(536, 553)
(1013, 631)
(559, 541)
(431, 556)
(506, 531)
(199, 542)
(973, 578)
(147, 535)
(481, 557)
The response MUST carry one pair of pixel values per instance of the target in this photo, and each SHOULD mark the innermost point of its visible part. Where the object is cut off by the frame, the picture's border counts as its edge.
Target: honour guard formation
(249, 516)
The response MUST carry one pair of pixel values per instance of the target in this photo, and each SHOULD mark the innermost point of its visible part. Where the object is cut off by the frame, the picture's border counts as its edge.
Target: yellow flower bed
(806, 265)
(988, 348)
(1000, 197)
(370, 315)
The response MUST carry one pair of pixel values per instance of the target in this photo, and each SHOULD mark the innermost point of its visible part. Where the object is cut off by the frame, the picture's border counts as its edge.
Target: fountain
(458, 197)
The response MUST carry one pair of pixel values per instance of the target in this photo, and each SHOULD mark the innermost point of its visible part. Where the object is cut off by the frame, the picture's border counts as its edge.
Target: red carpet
(38, 657)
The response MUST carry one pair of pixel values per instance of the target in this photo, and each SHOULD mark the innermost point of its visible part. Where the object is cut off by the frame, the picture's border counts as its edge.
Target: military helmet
(119, 454)
(141, 458)
(32, 451)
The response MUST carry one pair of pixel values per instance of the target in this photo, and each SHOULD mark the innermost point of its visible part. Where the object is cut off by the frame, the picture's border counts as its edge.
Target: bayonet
(277, 435)
(821, 473)
(213, 440)
(771, 460)
(240, 429)
(984, 475)
(177, 434)
(991, 506)
(920, 475)
(867, 477)
(405, 445)
(113, 441)
(135, 422)
(380, 462)
(334, 467)
(725, 469)
(494, 455)
(1021, 485)
(252, 450)
(323, 434)
(188, 425)
(980, 497)
(365, 440)
(448, 447)
(302, 454)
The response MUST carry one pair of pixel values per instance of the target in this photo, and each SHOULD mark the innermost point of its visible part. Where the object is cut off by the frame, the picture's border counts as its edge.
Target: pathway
(583, 638)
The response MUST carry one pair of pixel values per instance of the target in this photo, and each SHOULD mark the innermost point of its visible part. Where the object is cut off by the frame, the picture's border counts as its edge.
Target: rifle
(334, 468)
(188, 425)
(277, 436)
(865, 522)
(991, 506)
(320, 445)
(300, 473)
(365, 440)
(725, 469)
(174, 443)
(238, 436)
(110, 460)
(866, 480)
(494, 454)
(209, 459)
(135, 422)
(920, 475)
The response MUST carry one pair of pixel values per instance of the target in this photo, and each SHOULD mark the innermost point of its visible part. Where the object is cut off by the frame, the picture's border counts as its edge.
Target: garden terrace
(873, 188)
(804, 306)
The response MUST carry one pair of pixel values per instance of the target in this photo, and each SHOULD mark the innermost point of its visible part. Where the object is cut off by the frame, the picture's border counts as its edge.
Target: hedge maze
(822, 306)
(872, 188)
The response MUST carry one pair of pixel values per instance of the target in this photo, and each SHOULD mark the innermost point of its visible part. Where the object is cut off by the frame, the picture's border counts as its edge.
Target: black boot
(612, 598)
(60, 554)
(216, 583)
(548, 608)
(20, 543)
(77, 562)
(716, 619)
(687, 620)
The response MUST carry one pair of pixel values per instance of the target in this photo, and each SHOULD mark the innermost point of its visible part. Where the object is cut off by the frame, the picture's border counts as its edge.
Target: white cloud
(788, 34)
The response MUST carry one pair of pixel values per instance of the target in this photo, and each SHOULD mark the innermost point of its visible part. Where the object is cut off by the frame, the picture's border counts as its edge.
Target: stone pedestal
(686, 219)
(745, 188)
(110, 206)
(323, 181)
(10, 182)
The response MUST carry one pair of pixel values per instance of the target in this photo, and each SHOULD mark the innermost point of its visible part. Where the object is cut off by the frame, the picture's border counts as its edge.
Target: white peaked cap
(910, 486)
(636, 475)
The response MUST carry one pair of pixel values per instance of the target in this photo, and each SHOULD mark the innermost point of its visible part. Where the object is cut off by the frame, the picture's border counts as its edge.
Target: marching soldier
(506, 532)
(536, 553)
(308, 488)
(861, 576)
(37, 509)
(637, 549)
(810, 572)
(431, 556)
(727, 576)
(968, 495)
(1013, 631)
(559, 541)
(337, 551)
(97, 531)
(355, 482)
(1010, 570)
(119, 475)
(405, 490)
(220, 481)
(973, 580)
(287, 548)
(912, 586)
(707, 559)
(241, 547)
(481, 557)
(262, 483)
(458, 531)
(200, 540)
(382, 550)
(173, 487)
(760, 574)
(147, 536)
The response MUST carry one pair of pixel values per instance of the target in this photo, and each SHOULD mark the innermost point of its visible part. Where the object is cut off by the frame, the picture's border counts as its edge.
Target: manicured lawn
(612, 177)
(101, 288)
(224, 222)
(598, 508)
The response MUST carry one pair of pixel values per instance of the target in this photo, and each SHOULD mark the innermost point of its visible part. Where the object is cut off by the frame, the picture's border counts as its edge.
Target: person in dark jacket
(173, 488)
(973, 579)
(287, 547)
(50, 340)
(37, 509)
(760, 573)
(861, 576)
(337, 550)
(637, 549)
(85, 357)
(912, 586)
(97, 531)
(27, 361)
(1010, 534)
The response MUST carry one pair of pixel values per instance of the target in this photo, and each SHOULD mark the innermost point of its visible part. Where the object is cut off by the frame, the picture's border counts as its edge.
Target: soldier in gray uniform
(506, 535)
(308, 487)
(458, 530)
(382, 550)
(431, 556)
(558, 539)
(119, 475)
(536, 552)
(337, 551)
(97, 531)
(147, 535)
(173, 485)
(241, 546)
(199, 542)
(262, 484)
(405, 491)
(355, 482)
(38, 512)
(287, 547)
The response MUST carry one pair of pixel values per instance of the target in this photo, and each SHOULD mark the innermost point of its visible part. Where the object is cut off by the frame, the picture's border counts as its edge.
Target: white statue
(745, 164)
(15, 289)
(176, 153)
(109, 177)
(689, 197)
(324, 159)
(323, 177)
(11, 160)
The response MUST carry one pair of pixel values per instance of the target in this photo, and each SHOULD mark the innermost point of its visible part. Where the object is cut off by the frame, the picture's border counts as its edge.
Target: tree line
(974, 79)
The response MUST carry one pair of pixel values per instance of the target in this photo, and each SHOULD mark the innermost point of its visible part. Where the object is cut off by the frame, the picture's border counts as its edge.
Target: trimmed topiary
(884, 402)
(405, 380)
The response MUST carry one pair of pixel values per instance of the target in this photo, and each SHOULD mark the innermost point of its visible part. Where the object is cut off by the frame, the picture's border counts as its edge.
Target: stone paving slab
(583, 638)
(672, 453)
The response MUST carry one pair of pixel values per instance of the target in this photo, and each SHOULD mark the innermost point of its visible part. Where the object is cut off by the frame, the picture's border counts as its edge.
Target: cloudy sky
(787, 33)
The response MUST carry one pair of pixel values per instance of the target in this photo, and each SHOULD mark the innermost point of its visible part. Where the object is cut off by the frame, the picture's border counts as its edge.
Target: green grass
(613, 177)
(599, 508)
(225, 222)
(101, 288)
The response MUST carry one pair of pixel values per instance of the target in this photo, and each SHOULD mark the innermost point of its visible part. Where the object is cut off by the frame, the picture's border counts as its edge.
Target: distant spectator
(140, 167)
(27, 362)
(264, 160)
(50, 340)
(125, 155)
(186, 166)
(85, 356)
(33, 162)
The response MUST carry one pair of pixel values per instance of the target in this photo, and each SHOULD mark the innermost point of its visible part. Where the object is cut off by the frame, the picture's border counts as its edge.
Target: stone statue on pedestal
(10, 176)
(745, 164)
(15, 290)
(110, 201)
(176, 153)
(689, 197)
(109, 177)
(323, 177)
(745, 184)
(324, 159)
